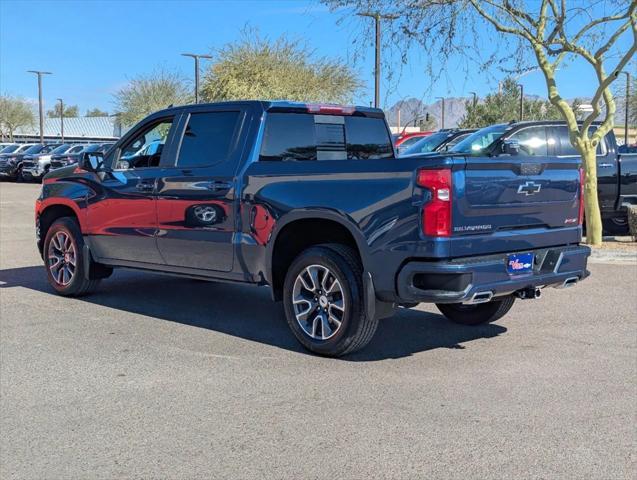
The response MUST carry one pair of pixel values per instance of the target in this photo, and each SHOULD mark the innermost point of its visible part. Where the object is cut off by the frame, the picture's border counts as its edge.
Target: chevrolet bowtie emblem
(529, 188)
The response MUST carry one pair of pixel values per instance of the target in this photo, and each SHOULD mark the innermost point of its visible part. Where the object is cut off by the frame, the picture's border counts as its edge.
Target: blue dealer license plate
(518, 263)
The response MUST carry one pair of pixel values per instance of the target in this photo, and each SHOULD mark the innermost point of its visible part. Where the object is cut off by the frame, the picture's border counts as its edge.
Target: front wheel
(476, 314)
(63, 259)
(324, 301)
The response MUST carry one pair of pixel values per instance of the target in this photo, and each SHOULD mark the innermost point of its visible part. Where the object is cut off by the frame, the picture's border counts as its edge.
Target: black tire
(476, 314)
(78, 284)
(616, 226)
(19, 178)
(356, 328)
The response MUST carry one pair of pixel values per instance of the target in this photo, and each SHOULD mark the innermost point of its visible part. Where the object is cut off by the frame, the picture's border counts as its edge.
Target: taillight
(582, 179)
(330, 109)
(436, 214)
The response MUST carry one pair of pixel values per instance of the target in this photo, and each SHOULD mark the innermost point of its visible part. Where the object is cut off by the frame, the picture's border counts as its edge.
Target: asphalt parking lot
(160, 377)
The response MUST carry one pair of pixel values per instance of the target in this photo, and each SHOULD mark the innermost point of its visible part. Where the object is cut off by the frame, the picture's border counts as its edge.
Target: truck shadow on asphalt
(249, 313)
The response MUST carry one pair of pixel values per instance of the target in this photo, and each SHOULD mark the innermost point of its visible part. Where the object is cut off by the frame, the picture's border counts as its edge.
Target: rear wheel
(476, 314)
(63, 258)
(324, 301)
(616, 226)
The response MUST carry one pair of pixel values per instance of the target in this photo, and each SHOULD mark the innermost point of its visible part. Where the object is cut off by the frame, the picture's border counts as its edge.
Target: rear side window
(207, 139)
(367, 138)
(299, 136)
(565, 146)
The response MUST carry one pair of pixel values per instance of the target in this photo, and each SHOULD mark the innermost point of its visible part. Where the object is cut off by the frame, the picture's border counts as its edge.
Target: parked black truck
(616, 171)
(311, 201)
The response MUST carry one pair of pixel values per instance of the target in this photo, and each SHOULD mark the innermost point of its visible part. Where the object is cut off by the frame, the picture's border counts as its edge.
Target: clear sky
(92, 47)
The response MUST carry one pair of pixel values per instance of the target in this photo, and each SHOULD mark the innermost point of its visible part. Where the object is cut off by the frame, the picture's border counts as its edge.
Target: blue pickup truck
(312, 201)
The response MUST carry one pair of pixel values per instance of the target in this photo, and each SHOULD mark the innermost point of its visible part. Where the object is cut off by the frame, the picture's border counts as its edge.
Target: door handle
(217, 186)
(145, 186)
(604, 165)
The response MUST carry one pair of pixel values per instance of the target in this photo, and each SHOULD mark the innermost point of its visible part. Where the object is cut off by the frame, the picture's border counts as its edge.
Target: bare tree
(545, 33)
(14, 113)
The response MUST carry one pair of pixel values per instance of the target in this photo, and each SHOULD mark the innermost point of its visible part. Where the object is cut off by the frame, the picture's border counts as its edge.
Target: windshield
(34, 149)
(61, 149)
(427, 144)
(475, 143)
(10, 148)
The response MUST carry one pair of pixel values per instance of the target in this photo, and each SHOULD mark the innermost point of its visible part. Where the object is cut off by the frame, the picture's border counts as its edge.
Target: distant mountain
(412, 109)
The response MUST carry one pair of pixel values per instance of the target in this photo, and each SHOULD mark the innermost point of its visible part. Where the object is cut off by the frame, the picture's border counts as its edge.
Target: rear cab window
(306, 137)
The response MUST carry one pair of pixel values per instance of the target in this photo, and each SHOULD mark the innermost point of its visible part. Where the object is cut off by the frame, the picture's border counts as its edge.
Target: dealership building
(76, 130)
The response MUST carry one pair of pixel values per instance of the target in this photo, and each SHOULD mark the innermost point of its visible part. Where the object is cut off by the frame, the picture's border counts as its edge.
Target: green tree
(504, 106)
(69, 111)
(257, 68)
(145, 94)
(546, 34)
(14, 113)
(96, 112)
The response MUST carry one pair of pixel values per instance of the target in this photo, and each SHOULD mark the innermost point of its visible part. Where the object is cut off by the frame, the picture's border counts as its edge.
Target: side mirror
(92, 161)
(510, 147)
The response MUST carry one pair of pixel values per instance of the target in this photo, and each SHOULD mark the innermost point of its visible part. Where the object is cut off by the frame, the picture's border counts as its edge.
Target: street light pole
(196, 57)
(626, 107)
(41, 108)
(61, 118)
(377, 17)
(443, 111)
(521, 101)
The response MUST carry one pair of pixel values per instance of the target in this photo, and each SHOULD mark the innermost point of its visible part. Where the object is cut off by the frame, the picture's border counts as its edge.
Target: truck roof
(283, 105)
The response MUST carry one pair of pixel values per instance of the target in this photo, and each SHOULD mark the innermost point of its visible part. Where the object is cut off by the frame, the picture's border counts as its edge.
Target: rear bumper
(456, 281)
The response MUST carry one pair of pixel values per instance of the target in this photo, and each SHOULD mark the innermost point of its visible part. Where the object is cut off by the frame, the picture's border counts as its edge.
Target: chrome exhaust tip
(569, 282)
(480, 297)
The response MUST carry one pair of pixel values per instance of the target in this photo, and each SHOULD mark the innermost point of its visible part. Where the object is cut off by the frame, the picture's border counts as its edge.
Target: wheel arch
(297, 231)
(49, 213)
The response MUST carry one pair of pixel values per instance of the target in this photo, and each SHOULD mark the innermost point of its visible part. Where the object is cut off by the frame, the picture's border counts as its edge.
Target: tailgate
(509, 193)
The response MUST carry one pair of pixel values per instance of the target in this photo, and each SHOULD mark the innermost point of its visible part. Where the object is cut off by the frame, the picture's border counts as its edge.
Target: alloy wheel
(62, 258)
(319, 303)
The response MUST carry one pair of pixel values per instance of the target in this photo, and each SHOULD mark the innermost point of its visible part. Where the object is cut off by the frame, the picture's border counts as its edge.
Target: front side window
(532, 141)
(145, 148)
(208, 138)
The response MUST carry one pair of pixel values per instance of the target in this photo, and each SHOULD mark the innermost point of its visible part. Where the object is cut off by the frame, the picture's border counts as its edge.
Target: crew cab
(311, 201)
(616, 171)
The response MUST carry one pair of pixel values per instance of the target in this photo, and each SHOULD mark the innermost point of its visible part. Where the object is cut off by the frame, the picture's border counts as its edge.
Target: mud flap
(375, 308)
